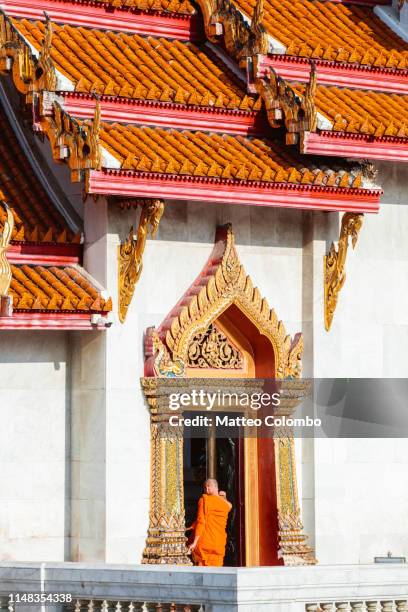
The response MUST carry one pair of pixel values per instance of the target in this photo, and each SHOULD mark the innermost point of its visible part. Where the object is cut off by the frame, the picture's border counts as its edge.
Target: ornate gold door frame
(166, 542)
(222, 285)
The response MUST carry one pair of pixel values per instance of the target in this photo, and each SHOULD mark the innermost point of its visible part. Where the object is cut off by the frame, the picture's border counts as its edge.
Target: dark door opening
(223, 459)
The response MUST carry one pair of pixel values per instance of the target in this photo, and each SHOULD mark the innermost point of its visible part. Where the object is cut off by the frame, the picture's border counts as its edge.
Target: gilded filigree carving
(292, 541)
(131, 252)
(293, 548)
(212, 349)
(228, 284)
(294, 367)
(5, 237)
(166, 541)
(334, 264)
(163, 365)
(5, 268)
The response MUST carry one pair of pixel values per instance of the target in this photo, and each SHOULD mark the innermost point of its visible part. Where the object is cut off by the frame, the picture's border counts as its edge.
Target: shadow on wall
(197, 221)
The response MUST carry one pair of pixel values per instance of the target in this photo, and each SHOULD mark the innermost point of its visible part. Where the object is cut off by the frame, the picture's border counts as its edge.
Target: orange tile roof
(365, 112)
(55, 288)
(35, 216)
(180, 7)
(140, 67)
(218, 155)
(332, 31)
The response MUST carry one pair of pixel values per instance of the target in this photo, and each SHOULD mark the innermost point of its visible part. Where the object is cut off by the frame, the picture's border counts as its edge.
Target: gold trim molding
(5, 237)
(334, 264)
(5, 268)
(130, 252)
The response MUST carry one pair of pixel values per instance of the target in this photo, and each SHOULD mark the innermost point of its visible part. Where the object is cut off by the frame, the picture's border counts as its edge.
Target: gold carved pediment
(223, 283)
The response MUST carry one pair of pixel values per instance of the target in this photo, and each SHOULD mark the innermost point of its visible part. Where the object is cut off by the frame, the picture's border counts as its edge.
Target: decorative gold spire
(334, 264)
(131, 252)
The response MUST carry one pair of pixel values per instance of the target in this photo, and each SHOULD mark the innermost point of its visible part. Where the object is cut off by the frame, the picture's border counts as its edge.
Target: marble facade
(75, 441)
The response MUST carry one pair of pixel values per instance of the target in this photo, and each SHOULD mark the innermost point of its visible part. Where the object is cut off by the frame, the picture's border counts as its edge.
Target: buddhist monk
(210, 536)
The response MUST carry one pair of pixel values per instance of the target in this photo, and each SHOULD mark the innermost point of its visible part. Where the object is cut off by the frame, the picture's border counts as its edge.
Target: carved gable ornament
(222, 283)
(212, 349)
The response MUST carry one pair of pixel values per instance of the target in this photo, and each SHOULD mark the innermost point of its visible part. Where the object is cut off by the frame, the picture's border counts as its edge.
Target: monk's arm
(199, 524)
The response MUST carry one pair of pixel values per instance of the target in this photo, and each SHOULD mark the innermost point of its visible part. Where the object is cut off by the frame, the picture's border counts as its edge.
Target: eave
(251, 193)
(92, 15)
(35, 320)
(358, 146)
(44, 254)
(166, 114)
(335, 73)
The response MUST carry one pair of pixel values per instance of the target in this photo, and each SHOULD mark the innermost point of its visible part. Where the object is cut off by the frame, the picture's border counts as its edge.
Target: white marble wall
(34, 446)
(359, 490)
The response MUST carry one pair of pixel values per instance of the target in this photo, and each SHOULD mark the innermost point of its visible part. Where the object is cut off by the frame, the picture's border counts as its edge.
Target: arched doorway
(222, 335)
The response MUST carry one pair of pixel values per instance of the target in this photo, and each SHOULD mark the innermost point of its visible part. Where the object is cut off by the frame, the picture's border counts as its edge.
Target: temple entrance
(223, 338)
(223, 459)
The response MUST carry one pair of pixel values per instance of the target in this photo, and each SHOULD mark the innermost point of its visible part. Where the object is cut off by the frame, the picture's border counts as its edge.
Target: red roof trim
(47, 254)
(49, 320)
(252, 193)
(167, 114)
(336, 73)
(359, 146)
(363, 2)
(97, 15)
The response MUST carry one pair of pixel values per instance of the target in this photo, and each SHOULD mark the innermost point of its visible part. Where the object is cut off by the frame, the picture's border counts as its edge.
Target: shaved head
(211, 486)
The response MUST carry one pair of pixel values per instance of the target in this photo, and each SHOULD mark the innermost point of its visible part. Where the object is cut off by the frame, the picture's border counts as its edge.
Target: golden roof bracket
(6, 302)
(334, 264)
(221, 17)
(29, 73)
(74, 141)
(45, 74)
(282, 103)
(130, 252)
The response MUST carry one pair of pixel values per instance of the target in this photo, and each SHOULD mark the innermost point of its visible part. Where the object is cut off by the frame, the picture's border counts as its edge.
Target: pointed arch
(223, 284)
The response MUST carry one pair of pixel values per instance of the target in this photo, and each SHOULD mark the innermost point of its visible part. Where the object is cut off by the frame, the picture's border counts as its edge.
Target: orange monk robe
(211, 526)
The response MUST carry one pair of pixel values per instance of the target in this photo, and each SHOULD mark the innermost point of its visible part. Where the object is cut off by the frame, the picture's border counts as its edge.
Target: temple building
(184, 187)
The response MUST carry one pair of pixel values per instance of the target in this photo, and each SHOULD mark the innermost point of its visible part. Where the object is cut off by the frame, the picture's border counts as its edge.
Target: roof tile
(218, 155)
(140, 67)
(365, 112)
(55, 288)
(332, 31)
